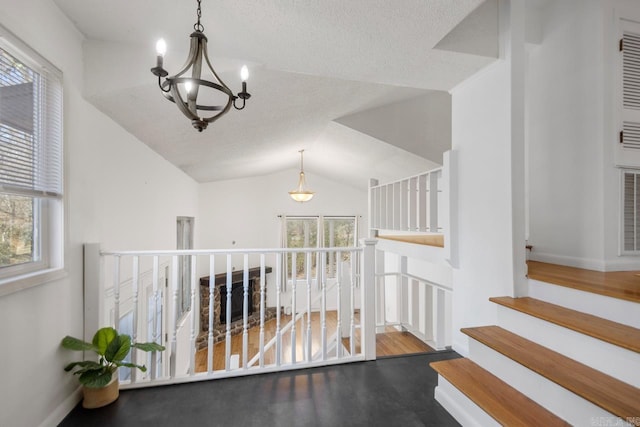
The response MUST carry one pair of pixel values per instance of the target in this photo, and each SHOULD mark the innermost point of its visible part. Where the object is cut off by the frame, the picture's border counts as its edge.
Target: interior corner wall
(117, 192)
(481, 136)
(565, 136)
(243, 213)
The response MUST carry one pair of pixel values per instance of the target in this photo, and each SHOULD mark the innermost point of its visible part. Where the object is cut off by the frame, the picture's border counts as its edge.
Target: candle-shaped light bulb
(161, 47)
(188, 86)
(244, 73)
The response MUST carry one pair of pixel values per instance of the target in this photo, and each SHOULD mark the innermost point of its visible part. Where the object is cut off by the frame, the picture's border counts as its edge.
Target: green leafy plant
(112, 348)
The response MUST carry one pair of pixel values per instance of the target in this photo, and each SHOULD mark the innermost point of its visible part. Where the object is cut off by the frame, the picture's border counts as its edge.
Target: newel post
(368, 299)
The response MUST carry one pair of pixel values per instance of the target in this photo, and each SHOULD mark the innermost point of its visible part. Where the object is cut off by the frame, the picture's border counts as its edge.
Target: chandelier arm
(166, 83)
(227, 90)
(181, 104)
(235, 98)
(193, 51)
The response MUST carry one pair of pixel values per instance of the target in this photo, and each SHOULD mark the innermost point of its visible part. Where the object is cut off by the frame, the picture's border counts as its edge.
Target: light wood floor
(391, 342)
(616, 284)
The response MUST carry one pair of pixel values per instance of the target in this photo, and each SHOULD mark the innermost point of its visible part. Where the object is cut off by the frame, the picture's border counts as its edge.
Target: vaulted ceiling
(360, 84)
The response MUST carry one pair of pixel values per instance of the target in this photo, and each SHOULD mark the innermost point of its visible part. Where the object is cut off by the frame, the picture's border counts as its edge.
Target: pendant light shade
(301, 193)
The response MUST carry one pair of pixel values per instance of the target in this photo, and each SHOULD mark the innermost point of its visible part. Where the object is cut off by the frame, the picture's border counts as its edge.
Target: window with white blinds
(631, 211)
(30, 129)
(628, 153)
(31, 161)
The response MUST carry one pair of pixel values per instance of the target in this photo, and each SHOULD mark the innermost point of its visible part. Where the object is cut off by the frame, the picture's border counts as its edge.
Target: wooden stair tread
(606, 330)
(609, 393)
(436, 240)
(498, 399)
(623, 285)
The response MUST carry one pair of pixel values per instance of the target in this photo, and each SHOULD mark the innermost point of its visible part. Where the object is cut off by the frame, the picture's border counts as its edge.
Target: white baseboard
(622, 263)
(63, 409)
(586, 263)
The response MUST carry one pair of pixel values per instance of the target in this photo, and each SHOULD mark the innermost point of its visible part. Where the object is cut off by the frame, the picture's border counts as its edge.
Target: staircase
(565, 356)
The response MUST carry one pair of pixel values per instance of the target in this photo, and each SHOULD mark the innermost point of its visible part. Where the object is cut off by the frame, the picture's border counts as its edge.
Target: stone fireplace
(237, 305)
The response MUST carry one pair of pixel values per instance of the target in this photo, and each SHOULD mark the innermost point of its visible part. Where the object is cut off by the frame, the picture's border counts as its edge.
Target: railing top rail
(438, 169)
(417, 278)
(176, 252)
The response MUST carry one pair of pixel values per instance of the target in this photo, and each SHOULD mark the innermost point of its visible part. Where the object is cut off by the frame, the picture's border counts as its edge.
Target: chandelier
(301, 194)
(187, 88)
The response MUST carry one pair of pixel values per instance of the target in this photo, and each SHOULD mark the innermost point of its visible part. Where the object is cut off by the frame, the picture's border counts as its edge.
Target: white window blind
(631, 211)
(30, 128)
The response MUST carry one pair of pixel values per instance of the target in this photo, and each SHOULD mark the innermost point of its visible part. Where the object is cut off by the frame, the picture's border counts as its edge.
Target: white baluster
(245, 313)
(195, 302)
(323, 308)
(433, 202)
(294, 279)
(174, 315)
(279, 278)
(339, 312)
(155, 334)
(263, 281)
(423, 212)
(352, 339)
(116, 291)
(134, 330)
(227, 362)
(308, 342)
(212, 287)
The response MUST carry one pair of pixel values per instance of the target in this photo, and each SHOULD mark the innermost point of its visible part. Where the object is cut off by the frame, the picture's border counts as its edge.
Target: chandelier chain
(198, 26)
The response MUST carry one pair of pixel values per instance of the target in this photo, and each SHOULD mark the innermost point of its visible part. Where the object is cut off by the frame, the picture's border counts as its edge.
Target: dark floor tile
(394, 391)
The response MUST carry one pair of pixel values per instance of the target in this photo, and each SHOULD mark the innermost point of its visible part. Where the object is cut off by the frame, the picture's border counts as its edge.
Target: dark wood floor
(395, 391)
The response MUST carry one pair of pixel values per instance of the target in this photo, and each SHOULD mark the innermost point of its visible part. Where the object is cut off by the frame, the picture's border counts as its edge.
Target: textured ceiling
(311, 63)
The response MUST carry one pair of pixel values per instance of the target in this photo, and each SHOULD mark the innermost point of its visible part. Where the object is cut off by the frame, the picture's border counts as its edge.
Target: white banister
(323, 309)
(135, 284)
(195, 318)
(263, 290)
(245, 312)
(212, 283)
(174, 317)
(154, 335)
(116, 291)
(227, 359)
(278, 337)
(367, 310)
(294, 282)
(134, 332)
(308, 334)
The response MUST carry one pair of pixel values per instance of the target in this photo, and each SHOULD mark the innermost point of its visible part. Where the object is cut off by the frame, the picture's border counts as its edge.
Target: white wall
(481, 135)
(118, 192)
(573, 184)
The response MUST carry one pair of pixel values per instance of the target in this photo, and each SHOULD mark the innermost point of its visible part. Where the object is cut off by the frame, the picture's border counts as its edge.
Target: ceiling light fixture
(301, 194)
(183, 89)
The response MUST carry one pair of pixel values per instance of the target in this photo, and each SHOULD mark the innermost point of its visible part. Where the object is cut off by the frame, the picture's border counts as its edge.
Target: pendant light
(183, 89)
(301, 193)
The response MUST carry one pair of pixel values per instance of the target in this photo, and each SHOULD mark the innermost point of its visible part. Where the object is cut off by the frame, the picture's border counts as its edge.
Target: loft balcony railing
(321, 317)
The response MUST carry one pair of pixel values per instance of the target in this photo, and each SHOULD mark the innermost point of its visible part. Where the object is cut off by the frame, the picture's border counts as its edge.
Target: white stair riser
(463, 409)
(562, 402)
(617, 310)
(615, 361)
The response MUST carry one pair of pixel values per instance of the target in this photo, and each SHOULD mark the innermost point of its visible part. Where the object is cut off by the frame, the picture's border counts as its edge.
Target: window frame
(49, 234)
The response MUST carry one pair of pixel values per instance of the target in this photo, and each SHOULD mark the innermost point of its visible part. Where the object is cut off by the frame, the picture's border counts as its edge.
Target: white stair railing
(144, 285)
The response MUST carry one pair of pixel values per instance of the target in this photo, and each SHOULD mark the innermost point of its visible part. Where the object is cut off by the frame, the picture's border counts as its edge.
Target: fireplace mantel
(236, 276)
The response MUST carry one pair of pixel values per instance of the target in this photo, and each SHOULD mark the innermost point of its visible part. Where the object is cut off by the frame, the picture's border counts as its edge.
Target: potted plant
(99, 379)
